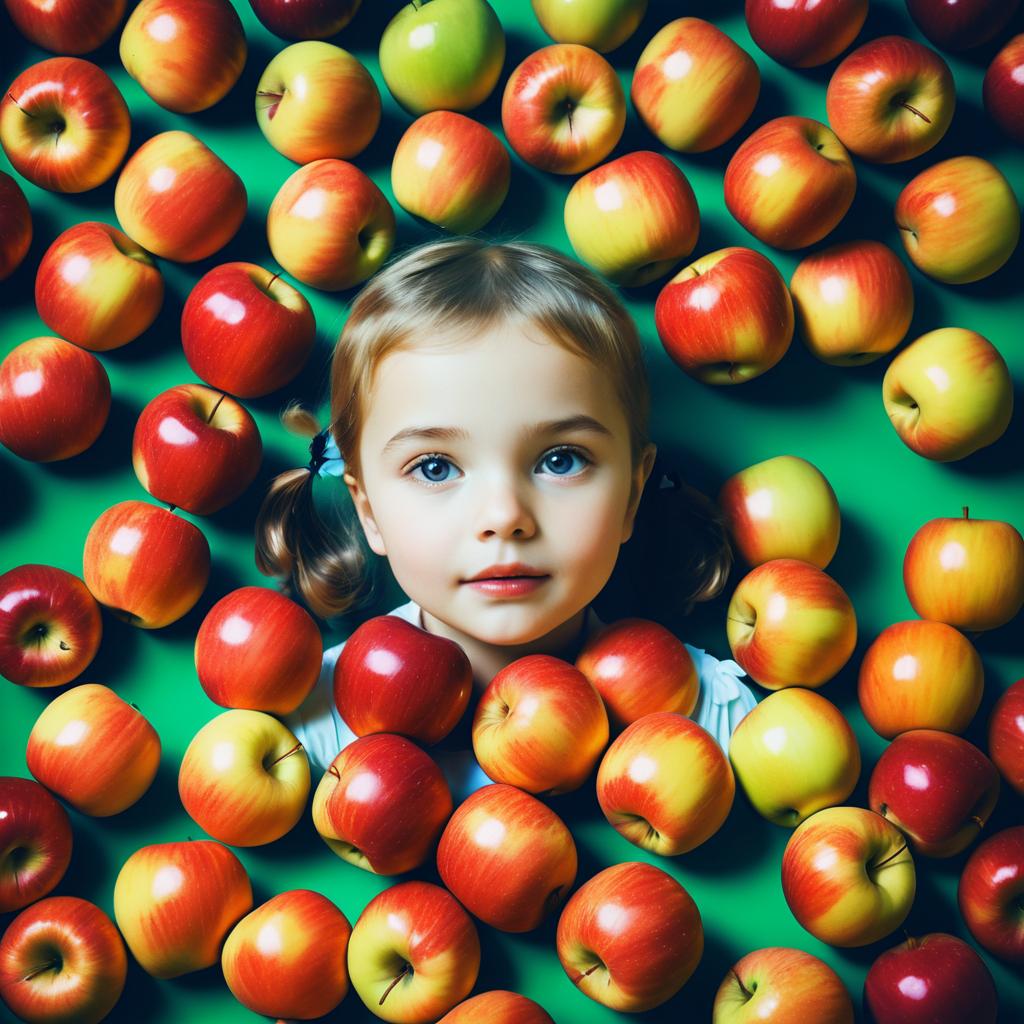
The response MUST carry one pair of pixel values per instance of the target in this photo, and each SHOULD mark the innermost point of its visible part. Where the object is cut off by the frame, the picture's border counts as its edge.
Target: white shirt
(317, 725)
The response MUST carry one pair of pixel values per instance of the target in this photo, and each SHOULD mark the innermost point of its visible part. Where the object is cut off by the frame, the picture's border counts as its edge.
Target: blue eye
(560, 461)
(435, 469)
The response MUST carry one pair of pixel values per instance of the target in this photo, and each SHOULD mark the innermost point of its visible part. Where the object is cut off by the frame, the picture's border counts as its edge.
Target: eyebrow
(578, 422)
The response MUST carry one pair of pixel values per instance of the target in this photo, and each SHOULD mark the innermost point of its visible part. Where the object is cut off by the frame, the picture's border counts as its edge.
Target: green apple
(442, 54)
(602, 25)
(794, 754)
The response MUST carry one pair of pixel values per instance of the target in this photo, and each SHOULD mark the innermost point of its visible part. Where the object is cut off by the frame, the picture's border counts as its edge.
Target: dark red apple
(393, 676)
(1006, 735)
(1003, 89)
(35, 842)
(962, 24)
(991, 894)
(805, 33)
(15, 225)
(305, 19)
(66, 26)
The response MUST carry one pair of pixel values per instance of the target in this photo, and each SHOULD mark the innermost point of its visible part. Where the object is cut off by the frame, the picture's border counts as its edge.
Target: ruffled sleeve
(724, 700)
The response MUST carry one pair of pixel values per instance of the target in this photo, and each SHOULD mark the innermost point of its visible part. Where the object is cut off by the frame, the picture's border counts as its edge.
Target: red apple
(563, 109)
(196, 449)
(62, 959)
(93, 750)
(15, 225)
(393, 676)
(805, 33)
(502, 840)
(1003, 89)
(990, 893)
(790, 182)
(935, 979)
(727, 317)
(50, 626)
(381, 804)
(937, 788)
(147, 564)
(64, 125)
(35, 842)
(258, 650)
(167, 174)
(54, 399)
(305, 19)
(66, 26)
(630, 937)
(963, 24)
(287, 957)
(639, 667)
(1006, 735)
(497, 1007)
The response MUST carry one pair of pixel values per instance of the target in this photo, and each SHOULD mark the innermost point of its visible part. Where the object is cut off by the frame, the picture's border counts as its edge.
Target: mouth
(509, 573)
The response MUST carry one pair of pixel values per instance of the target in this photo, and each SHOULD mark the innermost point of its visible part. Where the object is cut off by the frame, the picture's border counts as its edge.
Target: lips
(510, 570)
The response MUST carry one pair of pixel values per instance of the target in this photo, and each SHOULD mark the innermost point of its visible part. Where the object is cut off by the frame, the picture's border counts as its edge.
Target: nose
(504, 510)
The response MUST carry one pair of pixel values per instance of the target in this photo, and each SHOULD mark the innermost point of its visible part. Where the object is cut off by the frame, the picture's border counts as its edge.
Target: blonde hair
(454, 284)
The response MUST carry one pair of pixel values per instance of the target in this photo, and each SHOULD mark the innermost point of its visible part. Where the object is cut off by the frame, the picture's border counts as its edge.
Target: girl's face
(497, 447)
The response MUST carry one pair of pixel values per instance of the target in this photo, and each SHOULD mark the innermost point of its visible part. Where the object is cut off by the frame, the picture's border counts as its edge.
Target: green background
(831, 416)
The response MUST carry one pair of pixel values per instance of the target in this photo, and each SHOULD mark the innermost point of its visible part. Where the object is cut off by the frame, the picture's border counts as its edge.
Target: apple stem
(590, 970)
(892, 856)
(914, 110)
(213, 411)
(743, 988)
(568, 113)
(63, 646)
(334, 771)
(270, 283)
(287, 753)
(406, 969)
(911, 941)
(43, 968)
(965, 511)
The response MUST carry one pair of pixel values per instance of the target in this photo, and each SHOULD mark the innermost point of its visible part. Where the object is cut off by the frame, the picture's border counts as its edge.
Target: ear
(365, 514)
(640, 476)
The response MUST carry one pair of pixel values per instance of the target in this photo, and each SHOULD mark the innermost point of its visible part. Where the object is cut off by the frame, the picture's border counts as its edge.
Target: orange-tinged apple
(15, 225)
(93, 750)
(176, 902)
(66, 26)
(497, 1007)
(920, 675)
(693, 86)
(665, 785)
(790, 624)
(286, 958)
(1006, 735)
(603, 25)
(804, 33)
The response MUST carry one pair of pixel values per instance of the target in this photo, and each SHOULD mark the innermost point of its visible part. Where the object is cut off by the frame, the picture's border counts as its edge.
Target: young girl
(489, 408)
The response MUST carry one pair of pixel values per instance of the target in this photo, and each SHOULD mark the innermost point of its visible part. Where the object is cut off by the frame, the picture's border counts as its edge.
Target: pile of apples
(630, 936)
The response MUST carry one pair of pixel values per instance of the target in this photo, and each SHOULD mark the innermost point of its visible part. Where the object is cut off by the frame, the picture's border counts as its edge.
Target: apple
(848, 876)
(804, 33)
(35, 842)
(315, 100)
(50, 626)
(186, 54)
(727, 317)
(948, 394)
(630, 937)
(176, 902)
(783, 507)
(1006, 735)
(501, 840)
(854, 302)
(962, 25)
(171, 172)
(15, 226)
(450, 170)
(98, 288)
(966, 572)
(665, 785)
(934, 979)
(790, 624)
(66, 26)
(393, 676)
(330, 226)
(777, 985)
(196, 449)
(54, 399)
(259, 651)
(793, 754)
(890, 100)
(414, 953)
(563, 109)
(442, 54)
(286, 958)
(1003, 89)
(790, 182)
(63, 125)
(93, 750)
(497, 1007)
(958, 220)
(305, 19)
(244, 778)
(693, 87)
(639, 667)
(245, 330)
(145, 563)
(62, 959)
(990, 891)
(381, 804)
(603, 25)
(540, 725)
(920, 675)
(937, 788)
(633, 219)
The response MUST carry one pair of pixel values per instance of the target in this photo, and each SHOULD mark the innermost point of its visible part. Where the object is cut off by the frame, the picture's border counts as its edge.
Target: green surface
(831, 416)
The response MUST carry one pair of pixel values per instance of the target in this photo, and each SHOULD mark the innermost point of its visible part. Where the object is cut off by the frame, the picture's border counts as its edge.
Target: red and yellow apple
(1006, 735)
(603, 25)
(990, 892)
(497, 1007)
(804, 33)
(66, 26)
(15, 226)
